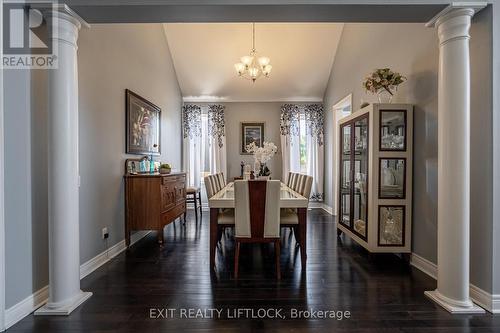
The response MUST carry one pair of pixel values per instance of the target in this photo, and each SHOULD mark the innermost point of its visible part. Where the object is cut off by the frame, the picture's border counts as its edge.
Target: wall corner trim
(17, 312)
(490, 302)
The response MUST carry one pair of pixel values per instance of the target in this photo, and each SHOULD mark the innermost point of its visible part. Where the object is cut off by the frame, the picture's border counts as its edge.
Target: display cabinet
(374, 180)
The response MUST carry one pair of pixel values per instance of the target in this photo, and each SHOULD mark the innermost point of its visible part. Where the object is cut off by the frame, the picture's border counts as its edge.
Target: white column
(452, 291)
(64, 246)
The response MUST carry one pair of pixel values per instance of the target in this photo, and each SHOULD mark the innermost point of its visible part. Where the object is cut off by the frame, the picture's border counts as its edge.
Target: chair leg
(277, 251)
(199, 202)
(195, 208)
(236, 259)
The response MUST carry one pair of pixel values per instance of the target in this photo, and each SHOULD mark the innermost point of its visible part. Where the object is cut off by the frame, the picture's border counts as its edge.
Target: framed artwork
(142, 125)
(391, 225)
(251, 132)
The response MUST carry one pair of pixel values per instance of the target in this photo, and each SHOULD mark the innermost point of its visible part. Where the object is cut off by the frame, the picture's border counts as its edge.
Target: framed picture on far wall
(251, 132)
(142, 125)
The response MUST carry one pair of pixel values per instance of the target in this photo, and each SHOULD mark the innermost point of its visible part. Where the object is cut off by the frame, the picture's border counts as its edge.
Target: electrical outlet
(105, 233)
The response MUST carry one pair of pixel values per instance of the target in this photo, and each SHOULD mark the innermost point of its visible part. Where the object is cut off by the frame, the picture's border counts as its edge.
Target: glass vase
(384, 96)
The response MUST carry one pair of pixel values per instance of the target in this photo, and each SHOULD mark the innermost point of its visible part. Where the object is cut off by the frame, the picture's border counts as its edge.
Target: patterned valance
(290, 116)
(315, 119)
(216, 127)
(191, 121)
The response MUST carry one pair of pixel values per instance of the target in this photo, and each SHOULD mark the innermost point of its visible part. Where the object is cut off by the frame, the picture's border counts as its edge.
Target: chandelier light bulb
(247, 60)
(254, 72)
(264, 61)
(267, 70)
(240, 68)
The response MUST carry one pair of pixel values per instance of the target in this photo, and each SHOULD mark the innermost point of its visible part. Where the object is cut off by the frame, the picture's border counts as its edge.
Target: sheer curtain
(192, 143)
(315, 150)
(204, 146)
(217, 139)
(290, 139)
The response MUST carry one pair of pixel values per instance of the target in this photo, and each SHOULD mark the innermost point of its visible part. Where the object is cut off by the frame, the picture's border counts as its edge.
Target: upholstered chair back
(307, 187)
(288, 179)
(300, 183)
(214, 183)
(257, 214)
(221, 179)
(208, 187)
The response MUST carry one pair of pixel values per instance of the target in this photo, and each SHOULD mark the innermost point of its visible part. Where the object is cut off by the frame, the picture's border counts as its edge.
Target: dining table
(224, 199)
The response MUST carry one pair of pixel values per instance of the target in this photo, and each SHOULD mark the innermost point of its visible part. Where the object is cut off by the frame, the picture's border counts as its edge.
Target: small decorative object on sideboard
(262, 155)
(165, 168)
(383, 82)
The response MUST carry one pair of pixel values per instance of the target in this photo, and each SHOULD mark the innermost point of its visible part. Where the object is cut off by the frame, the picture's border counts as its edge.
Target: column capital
(456, 9)
(67, 23)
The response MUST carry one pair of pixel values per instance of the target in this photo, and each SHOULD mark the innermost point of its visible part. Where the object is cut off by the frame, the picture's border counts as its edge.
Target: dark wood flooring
(381, 292)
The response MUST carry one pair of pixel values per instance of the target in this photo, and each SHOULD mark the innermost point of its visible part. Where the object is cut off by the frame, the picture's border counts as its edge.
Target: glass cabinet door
(360, 195)
(345, 175)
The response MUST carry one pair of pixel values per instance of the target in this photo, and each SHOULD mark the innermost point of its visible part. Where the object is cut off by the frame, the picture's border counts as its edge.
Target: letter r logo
(25, 29)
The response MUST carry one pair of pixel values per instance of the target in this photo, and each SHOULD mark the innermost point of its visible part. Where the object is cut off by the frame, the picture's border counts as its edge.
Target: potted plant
(165, 168)
(383, 82)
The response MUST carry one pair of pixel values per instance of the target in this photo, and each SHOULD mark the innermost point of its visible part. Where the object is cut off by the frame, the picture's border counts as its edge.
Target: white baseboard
(20, 310)
(321, 205)
(88, 267)
(17, 312)
(490, 302)
(204, 206)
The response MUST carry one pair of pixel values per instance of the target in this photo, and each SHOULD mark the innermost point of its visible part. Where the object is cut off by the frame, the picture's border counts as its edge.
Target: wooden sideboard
(152, 201)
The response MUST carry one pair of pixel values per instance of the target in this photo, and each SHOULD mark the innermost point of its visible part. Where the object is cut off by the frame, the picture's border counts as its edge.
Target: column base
(451, 306)
(65, 309)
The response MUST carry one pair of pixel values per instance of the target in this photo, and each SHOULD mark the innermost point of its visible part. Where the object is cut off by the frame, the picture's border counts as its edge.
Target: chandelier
(252, 67)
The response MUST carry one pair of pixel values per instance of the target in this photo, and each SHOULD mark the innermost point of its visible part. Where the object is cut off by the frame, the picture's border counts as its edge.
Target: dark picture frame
(143, 126)
(251, 132)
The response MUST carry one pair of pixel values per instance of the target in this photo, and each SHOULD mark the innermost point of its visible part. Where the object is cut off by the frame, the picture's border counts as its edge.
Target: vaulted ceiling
(301, 54)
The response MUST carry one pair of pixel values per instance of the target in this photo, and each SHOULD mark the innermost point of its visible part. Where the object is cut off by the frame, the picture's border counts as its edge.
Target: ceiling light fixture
(252, 67)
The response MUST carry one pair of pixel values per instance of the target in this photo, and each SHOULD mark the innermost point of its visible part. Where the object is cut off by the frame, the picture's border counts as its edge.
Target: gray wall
(416, 56)
(496, 146)
(412, 51)
(481, 152)
(252, 112)
(111, 58)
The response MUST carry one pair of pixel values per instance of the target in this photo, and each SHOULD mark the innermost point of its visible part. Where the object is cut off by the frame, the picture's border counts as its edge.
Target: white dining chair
(257, 216)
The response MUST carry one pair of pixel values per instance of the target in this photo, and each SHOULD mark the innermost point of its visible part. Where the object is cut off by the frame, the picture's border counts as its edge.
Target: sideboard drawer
(172, 214)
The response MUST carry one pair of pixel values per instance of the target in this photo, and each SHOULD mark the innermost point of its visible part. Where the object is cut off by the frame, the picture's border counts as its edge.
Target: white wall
(111, 58)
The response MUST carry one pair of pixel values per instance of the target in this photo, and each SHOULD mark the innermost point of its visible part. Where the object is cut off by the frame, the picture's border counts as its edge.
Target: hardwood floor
(381, 292)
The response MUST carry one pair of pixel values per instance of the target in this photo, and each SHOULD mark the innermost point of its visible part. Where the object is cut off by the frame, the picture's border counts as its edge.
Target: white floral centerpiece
(262, 155)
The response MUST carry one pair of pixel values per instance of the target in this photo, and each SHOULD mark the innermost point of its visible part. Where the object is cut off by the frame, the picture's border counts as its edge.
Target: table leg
(302, 212)
(214, 212)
